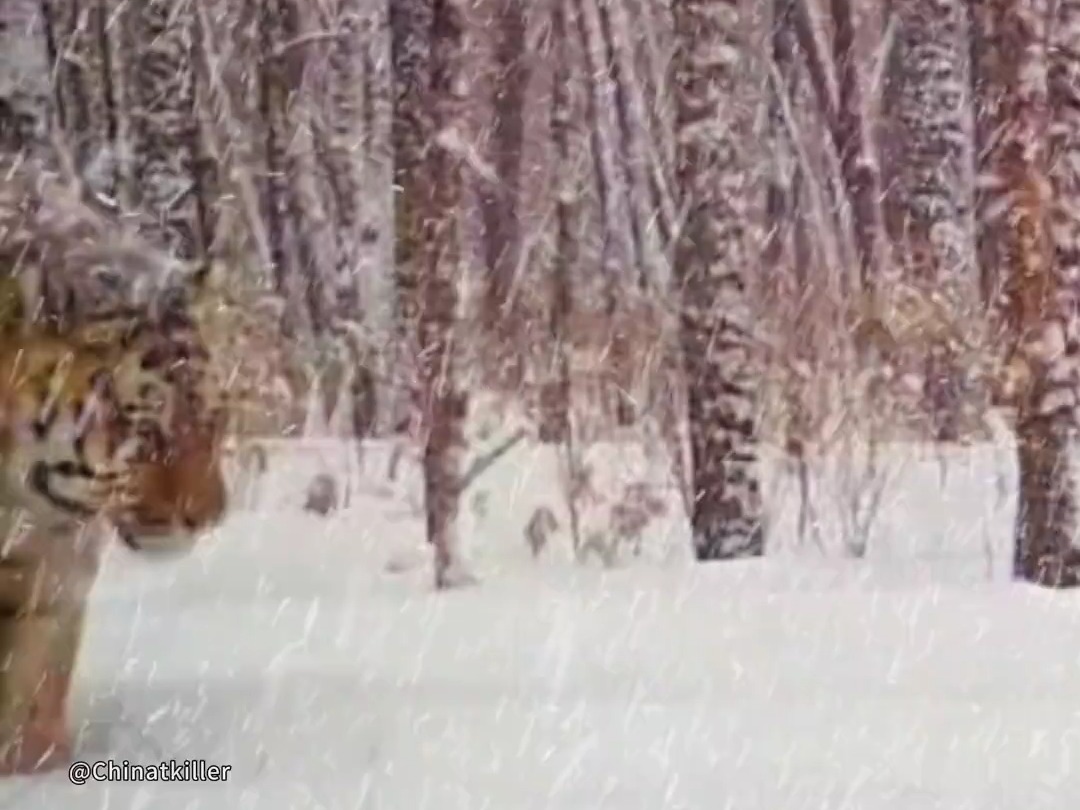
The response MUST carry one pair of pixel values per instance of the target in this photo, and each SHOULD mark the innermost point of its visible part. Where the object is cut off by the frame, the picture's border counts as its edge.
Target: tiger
(112, 425)
(117, 419)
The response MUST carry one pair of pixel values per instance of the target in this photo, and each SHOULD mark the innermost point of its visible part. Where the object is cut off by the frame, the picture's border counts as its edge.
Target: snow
(915, 678)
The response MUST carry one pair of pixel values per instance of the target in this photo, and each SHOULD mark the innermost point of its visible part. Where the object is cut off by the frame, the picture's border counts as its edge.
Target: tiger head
(122, 417)
(109, 404)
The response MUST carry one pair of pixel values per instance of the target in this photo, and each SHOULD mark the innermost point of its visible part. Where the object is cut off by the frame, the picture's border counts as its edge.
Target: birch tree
(714, 176)
(350, 138)
(1047, 420)
(1035, 186)
(930, 204)
(165, 177)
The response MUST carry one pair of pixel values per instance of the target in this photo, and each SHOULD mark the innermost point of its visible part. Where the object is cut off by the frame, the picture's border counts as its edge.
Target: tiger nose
(205, 510)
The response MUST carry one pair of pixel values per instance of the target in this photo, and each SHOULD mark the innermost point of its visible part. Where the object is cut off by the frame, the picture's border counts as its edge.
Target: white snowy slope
(910, 680)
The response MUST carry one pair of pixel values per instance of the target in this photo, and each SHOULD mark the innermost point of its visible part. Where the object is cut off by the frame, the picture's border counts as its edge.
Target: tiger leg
(42, 609)
(33, 733)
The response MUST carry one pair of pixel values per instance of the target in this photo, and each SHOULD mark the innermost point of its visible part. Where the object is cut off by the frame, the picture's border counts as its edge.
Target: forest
(738, 241)
(779, 223)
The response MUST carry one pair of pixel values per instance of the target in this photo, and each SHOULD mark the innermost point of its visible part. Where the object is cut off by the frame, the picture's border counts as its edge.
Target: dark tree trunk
(714, 165)
(500, 201)
(446, 400)
(410, 29)
(861, 174)
(555, 404)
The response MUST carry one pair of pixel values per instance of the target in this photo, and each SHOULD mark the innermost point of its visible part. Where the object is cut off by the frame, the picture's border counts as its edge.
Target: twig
(310, 38)
(822, 74)
(808, 519)
(880, 60)
(481, 464)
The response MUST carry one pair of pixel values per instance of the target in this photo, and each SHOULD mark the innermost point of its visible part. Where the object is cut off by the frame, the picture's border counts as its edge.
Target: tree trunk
(297, 203)
(714, 169)
(500, 200)
(1047, 423)
(555, 423)
(410, 30)
(352, 141)
(166, 154)
(639, 134)
(930, 203)
(620, 261)
(986, 84)
(861, 175)
(1038, 245)
(788, 252)
(446, 400)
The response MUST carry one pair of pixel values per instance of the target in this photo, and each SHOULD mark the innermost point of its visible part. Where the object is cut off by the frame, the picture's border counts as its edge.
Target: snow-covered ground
(915, 678)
